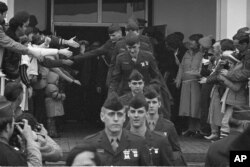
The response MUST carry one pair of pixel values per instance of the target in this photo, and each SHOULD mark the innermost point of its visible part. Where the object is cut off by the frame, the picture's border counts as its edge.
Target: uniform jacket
(120, 47)
(167, 127)
(132, 150)
(145, 64)
(105, 49)
(218, 152)
(160, 150)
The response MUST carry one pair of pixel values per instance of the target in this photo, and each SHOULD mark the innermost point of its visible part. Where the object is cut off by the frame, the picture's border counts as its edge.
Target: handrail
(2, 76)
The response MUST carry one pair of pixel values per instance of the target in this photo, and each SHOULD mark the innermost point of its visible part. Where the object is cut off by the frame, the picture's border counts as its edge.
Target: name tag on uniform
(125, 63)
(100, 150)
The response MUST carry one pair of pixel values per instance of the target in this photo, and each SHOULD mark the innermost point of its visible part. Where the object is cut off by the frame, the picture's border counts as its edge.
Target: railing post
(2, 76)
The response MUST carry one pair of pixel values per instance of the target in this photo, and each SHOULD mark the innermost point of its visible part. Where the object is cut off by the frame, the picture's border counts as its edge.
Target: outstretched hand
(71, 42)
(65, 52)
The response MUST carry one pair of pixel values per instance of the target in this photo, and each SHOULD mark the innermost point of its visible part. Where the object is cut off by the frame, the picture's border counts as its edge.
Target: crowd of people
(152, 90)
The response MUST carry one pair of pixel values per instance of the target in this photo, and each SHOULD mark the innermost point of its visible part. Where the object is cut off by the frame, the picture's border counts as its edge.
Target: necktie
(114, 144)
(151, 125)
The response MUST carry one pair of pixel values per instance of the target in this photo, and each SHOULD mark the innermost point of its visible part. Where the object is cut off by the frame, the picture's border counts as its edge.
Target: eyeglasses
(137, 83)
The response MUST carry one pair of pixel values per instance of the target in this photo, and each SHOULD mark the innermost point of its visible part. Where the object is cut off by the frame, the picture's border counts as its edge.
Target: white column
(231, 15)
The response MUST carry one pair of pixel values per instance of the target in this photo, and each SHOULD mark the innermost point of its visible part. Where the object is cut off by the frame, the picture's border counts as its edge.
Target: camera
(14, 139)
(226, 66)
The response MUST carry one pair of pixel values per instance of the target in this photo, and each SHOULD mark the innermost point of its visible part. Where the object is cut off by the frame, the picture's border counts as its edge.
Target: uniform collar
(110, 138)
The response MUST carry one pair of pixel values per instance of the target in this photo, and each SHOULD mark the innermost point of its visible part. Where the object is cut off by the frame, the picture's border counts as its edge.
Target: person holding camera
(50, 150)
(10, 156)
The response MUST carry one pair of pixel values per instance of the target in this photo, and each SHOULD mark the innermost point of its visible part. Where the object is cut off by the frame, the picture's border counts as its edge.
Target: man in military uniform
(115, 145)
(136, 84)
(158, 123)
(106, 50)
(159, 148)
(219, 152)
(133, 58)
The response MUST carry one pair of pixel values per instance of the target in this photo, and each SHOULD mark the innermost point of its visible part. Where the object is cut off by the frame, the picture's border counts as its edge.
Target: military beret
(241, 113)
(5, 108)
(150, 93)
(135, 75)
(113, 28)
(113, 102)
(138, 101)
(132, 25)
(131, 39)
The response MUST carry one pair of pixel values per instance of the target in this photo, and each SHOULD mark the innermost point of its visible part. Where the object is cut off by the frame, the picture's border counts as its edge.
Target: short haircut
(135, 75)
(12, 91)
(195, 37)
(131, 39)
(138, 101)
(80, 149)
(4, 122)
(3, 7)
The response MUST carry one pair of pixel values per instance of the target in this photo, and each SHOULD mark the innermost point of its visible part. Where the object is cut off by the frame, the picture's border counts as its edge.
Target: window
(96, 12)
(75, 11)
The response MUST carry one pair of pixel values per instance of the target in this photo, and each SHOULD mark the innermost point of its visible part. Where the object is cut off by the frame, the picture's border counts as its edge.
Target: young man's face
(3, 16)
(136, 86)
(241, 47)
(153, 105)
(113, 120)
(134, 49)
(137, 117)
(115, 36)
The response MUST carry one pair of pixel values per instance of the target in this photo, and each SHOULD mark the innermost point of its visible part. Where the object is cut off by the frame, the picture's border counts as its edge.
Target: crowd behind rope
(153, 89)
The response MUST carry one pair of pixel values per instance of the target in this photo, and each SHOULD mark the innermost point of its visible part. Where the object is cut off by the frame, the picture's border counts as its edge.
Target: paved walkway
(194, 149)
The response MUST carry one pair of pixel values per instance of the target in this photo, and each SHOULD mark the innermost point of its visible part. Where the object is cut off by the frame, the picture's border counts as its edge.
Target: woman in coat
(189, 75)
